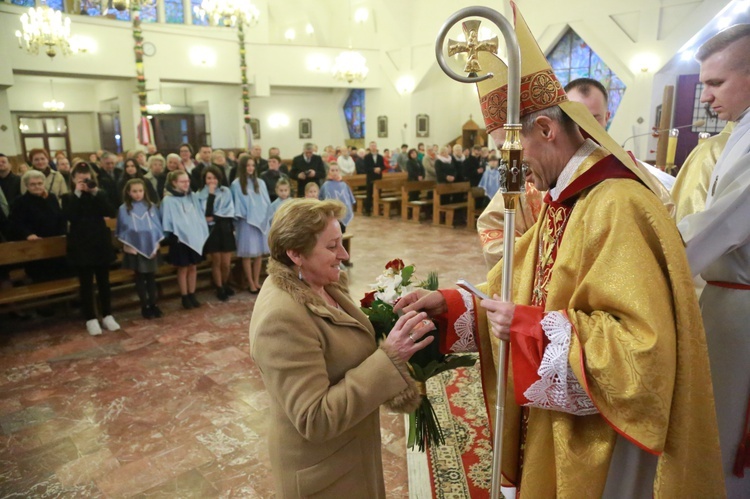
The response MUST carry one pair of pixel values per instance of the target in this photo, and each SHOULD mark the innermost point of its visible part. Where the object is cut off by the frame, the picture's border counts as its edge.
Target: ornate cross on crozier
(472, 46)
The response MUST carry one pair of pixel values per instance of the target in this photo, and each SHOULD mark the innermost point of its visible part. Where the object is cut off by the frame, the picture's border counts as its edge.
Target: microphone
(655, 133)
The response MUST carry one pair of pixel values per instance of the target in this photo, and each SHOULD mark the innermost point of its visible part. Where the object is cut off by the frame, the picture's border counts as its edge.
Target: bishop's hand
(500, 315)
(422, 300)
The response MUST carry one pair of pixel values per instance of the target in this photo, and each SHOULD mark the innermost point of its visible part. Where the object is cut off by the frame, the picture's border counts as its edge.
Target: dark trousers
(86, 282)
(368, 199)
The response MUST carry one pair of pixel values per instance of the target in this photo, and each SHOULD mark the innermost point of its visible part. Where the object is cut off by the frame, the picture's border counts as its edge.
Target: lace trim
(558, 389)
(465, 327)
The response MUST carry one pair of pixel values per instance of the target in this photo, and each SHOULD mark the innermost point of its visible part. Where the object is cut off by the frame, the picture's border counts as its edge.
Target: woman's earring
(299, 274)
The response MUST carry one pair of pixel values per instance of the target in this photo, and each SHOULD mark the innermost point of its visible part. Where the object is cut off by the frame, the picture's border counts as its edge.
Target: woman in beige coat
(318, 357)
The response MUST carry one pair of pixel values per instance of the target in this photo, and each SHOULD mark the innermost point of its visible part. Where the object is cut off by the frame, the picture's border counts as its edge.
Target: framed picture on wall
(255, 125)
(423, 125)
(305, 128)
(382, 127)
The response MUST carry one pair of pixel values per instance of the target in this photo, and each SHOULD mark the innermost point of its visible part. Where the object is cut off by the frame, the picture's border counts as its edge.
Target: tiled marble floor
(174, 407)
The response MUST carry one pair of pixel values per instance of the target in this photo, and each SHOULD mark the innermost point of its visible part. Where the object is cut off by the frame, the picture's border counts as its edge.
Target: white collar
(583, 152)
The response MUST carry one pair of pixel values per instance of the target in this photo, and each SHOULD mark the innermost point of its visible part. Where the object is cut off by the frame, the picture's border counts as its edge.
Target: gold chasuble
(691, 187)
(608, 256)
(607, 347)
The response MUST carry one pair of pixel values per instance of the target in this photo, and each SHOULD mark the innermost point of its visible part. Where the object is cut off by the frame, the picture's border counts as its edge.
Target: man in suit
(261, 165)
(374, 166)
(108, 176)
(307, 167)
(203, 161)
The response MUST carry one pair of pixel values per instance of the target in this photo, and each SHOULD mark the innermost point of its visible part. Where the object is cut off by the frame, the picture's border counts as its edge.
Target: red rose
(397, 265)
(366, 302)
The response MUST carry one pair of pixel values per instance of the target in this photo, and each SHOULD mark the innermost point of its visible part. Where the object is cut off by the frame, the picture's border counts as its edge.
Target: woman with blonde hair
(320, 363)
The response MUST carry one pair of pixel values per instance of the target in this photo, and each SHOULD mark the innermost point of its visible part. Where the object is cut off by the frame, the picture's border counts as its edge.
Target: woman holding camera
(90, 249)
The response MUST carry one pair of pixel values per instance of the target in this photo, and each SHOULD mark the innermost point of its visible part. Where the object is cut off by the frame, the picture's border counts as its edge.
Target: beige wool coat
(326, 378)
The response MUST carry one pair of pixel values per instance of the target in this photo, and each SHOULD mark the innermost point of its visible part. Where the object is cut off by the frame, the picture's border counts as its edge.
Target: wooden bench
(416, 205)
(386, 193)
(476, 196)
(42, 293)
(447, 211)
(358, 185)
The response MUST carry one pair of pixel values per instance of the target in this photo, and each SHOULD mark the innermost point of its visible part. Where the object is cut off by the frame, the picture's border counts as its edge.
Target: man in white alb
(718, 248)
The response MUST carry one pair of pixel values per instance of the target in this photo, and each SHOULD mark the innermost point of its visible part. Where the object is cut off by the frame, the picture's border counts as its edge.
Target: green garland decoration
(138, 49)
(243, 71)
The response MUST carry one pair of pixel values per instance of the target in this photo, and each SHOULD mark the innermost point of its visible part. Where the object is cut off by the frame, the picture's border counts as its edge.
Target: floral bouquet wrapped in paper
(397, 281)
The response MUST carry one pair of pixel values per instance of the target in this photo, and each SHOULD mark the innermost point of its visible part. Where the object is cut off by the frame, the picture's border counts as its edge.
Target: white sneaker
(110, 323)
(93, 328)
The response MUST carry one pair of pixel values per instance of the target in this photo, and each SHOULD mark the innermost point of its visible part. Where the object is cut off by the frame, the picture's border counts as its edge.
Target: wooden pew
(358, 185)
(386, 193)
(476, 197)
(416, 205)
(42, 293)
(448, 210)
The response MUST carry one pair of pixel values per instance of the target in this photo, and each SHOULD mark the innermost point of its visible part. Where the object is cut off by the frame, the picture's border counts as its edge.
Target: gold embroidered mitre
(540, 89)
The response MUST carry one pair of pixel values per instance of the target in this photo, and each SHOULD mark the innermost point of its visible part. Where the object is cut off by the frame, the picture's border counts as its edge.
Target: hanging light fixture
(228, 12)
(53, 105)
(159, 108)
(43, 27)
(350, 65)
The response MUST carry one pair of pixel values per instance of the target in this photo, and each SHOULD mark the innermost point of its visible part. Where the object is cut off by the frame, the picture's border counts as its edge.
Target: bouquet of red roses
(397, 281)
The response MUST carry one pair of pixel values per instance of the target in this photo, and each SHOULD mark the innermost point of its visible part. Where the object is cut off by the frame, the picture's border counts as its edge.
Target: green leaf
(406, 274)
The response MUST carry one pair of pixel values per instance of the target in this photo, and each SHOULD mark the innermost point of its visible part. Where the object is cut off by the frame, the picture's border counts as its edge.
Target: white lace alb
(558, 389)
(465, 327)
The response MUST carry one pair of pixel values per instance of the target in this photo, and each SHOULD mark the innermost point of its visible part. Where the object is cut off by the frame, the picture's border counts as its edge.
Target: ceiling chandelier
(350, 66)
(228, 12)
(53, 105)
(159, 108)
(44, 27)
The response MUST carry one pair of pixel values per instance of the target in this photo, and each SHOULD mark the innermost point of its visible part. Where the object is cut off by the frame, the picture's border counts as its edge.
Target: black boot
(221, 294)
(156, 311)
(228, 290)
(147, 313)
(186, 303)
(193, 300)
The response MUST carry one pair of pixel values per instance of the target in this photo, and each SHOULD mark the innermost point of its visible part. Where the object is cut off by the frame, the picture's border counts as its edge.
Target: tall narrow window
(175, 12)
(196, 4)
(572, 58)
(354, 112)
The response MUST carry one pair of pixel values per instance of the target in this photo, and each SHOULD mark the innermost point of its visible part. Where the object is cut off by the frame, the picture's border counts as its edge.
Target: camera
(90, 183)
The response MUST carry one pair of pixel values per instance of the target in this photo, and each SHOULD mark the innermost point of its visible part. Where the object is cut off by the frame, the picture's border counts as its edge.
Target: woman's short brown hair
(297, 225)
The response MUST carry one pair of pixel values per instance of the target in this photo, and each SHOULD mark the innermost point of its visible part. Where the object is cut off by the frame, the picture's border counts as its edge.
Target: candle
(672, 148)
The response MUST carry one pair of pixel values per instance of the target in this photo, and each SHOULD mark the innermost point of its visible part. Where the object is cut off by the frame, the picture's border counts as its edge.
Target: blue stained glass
(195, 5)
(24, 3)
(55, 4)
(120, 15)
(90, 8)
(174, 11)
(572, 58)
(354, 112)
(148, 13)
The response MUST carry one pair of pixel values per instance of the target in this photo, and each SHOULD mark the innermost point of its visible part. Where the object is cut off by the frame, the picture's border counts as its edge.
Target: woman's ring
(426, 322)
(412, 338)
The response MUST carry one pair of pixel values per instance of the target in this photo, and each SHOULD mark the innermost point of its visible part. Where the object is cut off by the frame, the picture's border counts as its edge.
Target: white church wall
(323, 107)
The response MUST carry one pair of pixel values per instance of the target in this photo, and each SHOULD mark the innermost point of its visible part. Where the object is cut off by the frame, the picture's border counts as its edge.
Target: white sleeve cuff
(465, 327)
(558, 389)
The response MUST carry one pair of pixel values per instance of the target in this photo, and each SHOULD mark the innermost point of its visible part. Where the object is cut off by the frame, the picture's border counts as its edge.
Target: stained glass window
(572, 58)
(148, 13)
(90, 7)
(55, 4)
(195, 5)
(354, 112)
(24, 3)
(175, 12)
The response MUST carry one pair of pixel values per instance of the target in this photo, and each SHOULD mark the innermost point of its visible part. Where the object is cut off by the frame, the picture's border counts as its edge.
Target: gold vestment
(637, 348)
(690, 188)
